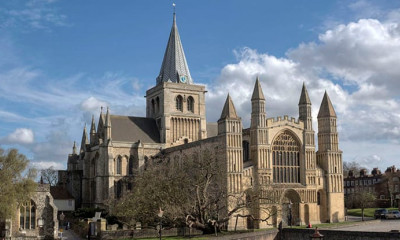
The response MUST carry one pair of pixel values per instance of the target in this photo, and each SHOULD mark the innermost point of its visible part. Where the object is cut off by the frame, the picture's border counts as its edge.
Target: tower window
(179, 103)
(119, 165)
(153, 107)
(157, 104)
(190, 104)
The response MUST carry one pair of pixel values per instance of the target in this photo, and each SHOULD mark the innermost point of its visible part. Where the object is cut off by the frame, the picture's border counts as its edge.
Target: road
(376, 226)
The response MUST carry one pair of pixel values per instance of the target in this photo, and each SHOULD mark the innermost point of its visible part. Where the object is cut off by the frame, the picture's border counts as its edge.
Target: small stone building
(36, 217)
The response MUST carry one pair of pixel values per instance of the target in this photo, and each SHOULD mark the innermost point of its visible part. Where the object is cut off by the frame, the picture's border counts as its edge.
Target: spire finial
(173, 5)
(101, 109)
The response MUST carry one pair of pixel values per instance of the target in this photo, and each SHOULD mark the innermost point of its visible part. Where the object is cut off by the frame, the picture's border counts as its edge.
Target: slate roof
(212, 129)
(60, 193)
(132, 129)
(174, 63)
(326, 109)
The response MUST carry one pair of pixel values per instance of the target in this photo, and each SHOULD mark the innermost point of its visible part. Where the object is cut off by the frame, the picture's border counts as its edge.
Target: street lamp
(290, 213)
(160, 214)
(316, 235)
(40, 222)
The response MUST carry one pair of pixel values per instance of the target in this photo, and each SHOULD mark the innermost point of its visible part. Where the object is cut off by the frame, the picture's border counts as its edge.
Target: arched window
(318, 198)
(179, 103)
(246, 151)
(285, 158)
(119, 189)
(119, 165)
(157, 104)
(190, 104)
(27, 215)
(153, 107)
(130, 165)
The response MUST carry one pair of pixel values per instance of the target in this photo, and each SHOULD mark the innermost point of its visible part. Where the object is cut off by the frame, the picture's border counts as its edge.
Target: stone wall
(144, 233)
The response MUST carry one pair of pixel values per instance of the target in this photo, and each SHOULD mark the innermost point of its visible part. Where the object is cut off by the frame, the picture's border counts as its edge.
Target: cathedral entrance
(290, 208)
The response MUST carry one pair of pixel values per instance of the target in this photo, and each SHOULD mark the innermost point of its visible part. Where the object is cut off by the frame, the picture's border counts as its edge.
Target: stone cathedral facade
(277, 154)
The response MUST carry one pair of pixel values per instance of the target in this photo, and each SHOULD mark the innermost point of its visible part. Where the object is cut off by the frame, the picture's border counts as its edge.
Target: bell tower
(176, 103)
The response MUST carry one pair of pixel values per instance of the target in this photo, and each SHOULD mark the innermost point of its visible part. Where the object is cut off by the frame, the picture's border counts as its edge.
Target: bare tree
(351, 166)
(363, 199)
(192, 191)
(49, 175)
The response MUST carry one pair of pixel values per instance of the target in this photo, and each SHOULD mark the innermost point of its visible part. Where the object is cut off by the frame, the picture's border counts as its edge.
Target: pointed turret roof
(326, 109)
(229, 110)
(84, 140)
(93, 127)
(257, 93)
(174, 67)
(304, 98)
(108, 119)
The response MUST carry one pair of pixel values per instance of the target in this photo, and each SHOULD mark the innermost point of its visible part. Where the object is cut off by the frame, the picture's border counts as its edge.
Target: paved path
(374, 226)
(70, 235)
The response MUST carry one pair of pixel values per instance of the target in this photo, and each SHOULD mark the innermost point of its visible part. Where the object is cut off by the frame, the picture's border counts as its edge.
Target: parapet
(285, 121)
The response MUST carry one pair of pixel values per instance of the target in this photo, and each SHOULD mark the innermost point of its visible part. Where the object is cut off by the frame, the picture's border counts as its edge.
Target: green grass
(368, 212)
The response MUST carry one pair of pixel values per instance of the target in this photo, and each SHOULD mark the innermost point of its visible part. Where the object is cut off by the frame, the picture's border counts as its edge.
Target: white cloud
(92, 104)
(44, 165)
(19, 136)
(34, 15)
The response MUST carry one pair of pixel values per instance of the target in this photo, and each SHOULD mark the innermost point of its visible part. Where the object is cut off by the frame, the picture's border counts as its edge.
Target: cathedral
(278, 154)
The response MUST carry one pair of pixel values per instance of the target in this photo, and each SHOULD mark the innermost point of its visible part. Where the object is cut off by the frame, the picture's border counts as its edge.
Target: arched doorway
(290, 208)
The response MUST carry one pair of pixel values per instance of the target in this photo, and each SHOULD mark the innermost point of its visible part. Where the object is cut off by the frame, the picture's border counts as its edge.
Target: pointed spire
(257, 93)
(174, 67)
(108, 118)
(93, 126)
(326, 109)
(74, 149)
(84, 140)
(229, 110)
(304, 98)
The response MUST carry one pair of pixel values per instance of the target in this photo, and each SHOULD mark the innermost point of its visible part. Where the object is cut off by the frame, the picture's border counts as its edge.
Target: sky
(61, 60)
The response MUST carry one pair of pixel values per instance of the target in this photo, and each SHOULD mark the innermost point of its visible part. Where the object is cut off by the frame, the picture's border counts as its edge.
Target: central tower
(176, 103)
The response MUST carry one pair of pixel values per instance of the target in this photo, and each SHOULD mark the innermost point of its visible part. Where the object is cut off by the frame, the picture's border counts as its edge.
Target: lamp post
(290, 213)
(316, 235)
(160, 214)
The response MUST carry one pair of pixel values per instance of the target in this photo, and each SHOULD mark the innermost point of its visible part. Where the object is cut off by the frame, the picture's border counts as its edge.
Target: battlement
(279, 121)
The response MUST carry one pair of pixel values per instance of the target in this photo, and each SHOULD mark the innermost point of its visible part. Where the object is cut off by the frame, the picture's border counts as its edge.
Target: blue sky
(61, 60)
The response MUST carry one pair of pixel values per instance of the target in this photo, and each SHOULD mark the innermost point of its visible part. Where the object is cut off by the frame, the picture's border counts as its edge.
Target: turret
(258, 115)
(230, 129)
(74, 152)
(305, 108)
(329, 157)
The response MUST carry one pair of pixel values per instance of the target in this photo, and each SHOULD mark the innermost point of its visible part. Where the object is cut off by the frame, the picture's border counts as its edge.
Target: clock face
(182, 79)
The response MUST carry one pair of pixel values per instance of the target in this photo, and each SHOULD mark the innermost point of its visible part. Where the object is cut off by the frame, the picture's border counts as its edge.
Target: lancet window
(27, 215)
(190, 104)
(179, 103)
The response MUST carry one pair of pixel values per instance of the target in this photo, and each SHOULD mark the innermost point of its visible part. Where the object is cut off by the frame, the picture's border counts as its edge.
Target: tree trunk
(362, 214)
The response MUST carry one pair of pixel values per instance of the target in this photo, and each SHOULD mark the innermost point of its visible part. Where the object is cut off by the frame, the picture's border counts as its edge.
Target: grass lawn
(368, 212)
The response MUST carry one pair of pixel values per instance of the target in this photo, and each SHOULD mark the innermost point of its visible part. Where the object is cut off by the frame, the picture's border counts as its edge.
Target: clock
(182, 79)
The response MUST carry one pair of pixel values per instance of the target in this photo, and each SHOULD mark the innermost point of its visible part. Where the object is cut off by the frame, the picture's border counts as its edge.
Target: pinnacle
(326, 109)
(304, 98)
(257, 93)
(229, 110)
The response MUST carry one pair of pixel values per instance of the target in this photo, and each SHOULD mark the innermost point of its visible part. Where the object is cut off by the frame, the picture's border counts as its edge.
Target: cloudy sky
(60, 61)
